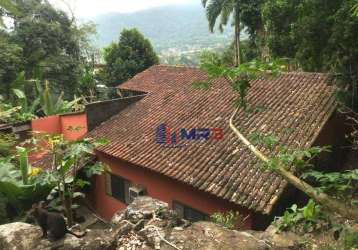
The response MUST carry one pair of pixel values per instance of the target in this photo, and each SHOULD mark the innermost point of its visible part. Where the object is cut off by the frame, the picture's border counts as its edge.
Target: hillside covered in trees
(178, 32)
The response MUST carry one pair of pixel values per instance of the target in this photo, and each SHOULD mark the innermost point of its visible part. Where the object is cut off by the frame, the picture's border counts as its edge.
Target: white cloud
(87, 8)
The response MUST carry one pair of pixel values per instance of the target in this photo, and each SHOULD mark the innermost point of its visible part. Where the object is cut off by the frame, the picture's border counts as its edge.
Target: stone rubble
(148, 224)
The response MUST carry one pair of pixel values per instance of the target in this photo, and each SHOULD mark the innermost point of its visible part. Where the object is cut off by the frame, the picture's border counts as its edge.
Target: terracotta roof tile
(294, 106)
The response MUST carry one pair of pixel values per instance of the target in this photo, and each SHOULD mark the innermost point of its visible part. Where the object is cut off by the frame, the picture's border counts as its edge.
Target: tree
(7, 8)
(249, 51)
(224, 9)
(130, 55)
(320, 35)
(280, 39)
(11, 63)
(49, 40)
(251, 19)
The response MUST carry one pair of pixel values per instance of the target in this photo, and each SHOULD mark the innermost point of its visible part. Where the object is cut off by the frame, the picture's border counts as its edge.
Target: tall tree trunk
(261, 41)
(320, 197)
(237, 60)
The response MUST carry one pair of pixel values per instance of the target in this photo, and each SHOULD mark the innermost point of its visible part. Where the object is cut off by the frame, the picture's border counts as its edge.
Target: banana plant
(22, 101)
(52, 106)
(18, 98)
(13, 191)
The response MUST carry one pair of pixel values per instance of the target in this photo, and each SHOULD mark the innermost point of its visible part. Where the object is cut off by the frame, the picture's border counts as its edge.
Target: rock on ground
(149, 224)
(22, 236)
(19, 236)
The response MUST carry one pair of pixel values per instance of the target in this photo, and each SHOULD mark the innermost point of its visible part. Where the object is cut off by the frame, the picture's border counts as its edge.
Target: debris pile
(149, 224)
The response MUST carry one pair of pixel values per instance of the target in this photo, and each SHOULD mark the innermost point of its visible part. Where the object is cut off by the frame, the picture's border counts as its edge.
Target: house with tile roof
(175, 144)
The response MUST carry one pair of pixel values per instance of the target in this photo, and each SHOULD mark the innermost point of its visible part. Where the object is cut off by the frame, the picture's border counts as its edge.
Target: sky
(88, 8)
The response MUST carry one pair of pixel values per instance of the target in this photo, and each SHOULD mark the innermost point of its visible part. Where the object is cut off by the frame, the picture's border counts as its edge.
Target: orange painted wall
(157, 186)
(59, 124)
(62, 124)
(49, 124)
(71, 121)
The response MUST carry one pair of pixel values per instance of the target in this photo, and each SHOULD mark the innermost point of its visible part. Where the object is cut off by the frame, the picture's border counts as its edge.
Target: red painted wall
(71, 121)
(62, 124)
(59, 124)
(49, 124)
(159, 187)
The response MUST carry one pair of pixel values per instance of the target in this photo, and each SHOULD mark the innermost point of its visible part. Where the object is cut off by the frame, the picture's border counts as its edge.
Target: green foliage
(355, 10)
(15, 196)
(20, 99)
(44, 37)
(3, 210)
(7, 8)
(297, 158)
(7, 142)
(333, 50)
(289, 157)
(8, 171)
(280, 39)
(50, 105)
(341, 185)
(306, 219)
(95, 169)
(216, 9)
(24, 164)
(7, 111)
(88, 83)
(10, 64)
(43, 102)
(350, 240)
(130, 55)
(228, 219)
(248, 52)
(269, 141)
(68, 157)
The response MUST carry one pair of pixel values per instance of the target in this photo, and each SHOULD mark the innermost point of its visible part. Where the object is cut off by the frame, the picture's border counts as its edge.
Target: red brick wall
(157, 186)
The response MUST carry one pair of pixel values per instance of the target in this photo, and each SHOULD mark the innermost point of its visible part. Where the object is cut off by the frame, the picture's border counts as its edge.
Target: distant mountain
(171, 29)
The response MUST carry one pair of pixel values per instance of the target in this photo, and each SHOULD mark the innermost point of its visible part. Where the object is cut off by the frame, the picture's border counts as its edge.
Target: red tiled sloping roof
(294, 106)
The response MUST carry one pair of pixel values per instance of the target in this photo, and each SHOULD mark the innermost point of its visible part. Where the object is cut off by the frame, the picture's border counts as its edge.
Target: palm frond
(216, 9)
(213, 11)
(227, 9)
(204, 2)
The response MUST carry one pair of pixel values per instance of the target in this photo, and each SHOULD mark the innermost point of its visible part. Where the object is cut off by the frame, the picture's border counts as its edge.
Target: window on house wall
(189, 213)
(117, 187)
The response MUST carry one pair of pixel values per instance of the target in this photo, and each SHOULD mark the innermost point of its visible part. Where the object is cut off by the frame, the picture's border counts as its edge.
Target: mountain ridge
(170, 27)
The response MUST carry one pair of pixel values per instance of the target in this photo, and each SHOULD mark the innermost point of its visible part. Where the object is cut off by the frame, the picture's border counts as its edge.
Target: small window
(189, 213)
(117, 187)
